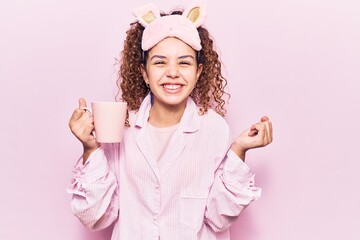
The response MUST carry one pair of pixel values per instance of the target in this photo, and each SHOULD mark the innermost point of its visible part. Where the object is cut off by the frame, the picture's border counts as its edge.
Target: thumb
(82, 102)
(264, 119)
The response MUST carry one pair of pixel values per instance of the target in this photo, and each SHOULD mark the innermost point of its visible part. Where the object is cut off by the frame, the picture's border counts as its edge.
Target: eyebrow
(163, 57)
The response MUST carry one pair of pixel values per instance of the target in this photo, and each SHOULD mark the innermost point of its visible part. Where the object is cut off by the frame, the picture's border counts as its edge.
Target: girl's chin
(174, 101)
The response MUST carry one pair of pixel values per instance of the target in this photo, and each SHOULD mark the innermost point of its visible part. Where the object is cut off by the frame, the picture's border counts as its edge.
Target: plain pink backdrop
(296, 61)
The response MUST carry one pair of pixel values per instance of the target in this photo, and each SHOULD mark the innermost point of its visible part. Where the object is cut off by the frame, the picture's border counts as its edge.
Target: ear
(196, 12)
(144, 73)
(146, 14)
(199, 71)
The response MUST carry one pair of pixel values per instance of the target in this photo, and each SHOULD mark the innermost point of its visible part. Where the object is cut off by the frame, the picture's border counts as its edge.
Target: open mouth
(172, 86)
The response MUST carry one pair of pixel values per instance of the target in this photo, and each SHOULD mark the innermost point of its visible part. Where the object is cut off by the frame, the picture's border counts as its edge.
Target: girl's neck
(165, 116)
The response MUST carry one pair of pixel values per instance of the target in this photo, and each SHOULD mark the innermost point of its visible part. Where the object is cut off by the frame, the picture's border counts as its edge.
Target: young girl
(176, 174)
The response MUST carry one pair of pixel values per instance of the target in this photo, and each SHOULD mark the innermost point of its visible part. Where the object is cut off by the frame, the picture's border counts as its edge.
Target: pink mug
(109, 120)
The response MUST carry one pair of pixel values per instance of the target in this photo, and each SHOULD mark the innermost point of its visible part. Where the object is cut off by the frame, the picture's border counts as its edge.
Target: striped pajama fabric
(197, 194)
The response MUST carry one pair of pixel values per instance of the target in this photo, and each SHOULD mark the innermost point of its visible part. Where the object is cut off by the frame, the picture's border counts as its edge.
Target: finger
(261, 131)
(83, 128)
(264, 119)
(79, 118)
(86, 117)
(270, 130)
(88, 130)
(260, 126)
(267, 136)
(253, 131)
(268, 125)
(82, 102)
(82, 106)
(76, 115)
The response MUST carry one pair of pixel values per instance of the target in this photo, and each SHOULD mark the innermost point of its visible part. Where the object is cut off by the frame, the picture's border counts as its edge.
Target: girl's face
(172, 72)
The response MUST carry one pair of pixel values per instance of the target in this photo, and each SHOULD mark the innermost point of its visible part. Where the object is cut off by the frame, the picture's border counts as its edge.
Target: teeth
(172, 87)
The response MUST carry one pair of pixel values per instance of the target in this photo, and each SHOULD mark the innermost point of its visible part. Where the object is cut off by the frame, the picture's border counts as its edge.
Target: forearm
(94, 188)
(240, 152)
(98, 209)
(233, 189)
(87, 153)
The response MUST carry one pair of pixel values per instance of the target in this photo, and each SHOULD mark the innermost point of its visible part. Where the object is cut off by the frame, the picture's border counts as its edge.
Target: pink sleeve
(232, 190)
(94, 192)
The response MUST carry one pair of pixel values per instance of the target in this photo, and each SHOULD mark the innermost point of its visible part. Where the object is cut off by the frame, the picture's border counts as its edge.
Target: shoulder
(213, 118)
(215, 132)
(213, 122)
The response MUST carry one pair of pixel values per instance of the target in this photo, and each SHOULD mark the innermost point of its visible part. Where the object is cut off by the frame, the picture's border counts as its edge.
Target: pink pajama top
(200, 190)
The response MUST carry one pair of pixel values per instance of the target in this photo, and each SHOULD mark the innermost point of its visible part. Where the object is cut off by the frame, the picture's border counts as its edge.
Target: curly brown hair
(210, 87)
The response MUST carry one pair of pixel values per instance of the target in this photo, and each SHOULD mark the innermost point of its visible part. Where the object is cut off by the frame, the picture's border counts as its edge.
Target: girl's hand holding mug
(82, 126)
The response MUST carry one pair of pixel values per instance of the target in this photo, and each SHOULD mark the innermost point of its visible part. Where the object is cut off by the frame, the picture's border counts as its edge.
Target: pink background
(296, 61)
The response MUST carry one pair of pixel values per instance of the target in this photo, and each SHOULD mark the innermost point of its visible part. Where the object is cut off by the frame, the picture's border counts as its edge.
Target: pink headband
(182, 26)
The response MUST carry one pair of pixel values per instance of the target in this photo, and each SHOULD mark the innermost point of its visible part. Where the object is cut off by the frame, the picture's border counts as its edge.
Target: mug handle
(88, 110)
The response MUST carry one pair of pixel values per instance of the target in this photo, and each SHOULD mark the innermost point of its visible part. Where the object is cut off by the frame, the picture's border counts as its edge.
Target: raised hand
(258, 135)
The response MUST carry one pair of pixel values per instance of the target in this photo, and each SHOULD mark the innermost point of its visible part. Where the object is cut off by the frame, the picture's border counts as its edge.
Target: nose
(172, 71)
